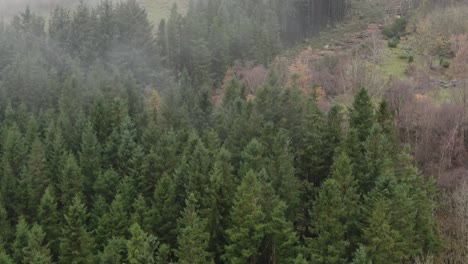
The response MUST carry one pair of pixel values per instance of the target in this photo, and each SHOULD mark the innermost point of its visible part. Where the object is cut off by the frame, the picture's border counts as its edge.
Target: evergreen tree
(361, 116)
(4, 223)
(71, 180)
(90, 158)
(114, 223)
(114, 252)
(361, 257)
(334, 216)
(193, 236)
(282, 245)
(48, 218)
(141, 247)
(37, 251)
(21, 240)
(381, 239)
(76, 243)
(140, 214)
(246, 231)
(37, 168)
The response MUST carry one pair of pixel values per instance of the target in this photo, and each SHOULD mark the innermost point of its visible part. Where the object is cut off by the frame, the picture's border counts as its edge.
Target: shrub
(410, 59)
(393, 43)
(396, 29)
(444, 63)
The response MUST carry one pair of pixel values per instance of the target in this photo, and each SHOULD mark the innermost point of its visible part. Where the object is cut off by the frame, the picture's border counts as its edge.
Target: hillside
(262, 132)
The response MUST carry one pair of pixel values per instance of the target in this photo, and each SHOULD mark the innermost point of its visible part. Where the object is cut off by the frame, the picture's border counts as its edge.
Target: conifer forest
(234, 132)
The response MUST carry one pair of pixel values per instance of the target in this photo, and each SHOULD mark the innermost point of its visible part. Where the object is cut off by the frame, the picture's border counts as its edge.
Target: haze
(9, 8)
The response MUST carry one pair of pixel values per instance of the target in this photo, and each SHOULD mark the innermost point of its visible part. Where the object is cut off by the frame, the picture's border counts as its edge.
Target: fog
(9, 8)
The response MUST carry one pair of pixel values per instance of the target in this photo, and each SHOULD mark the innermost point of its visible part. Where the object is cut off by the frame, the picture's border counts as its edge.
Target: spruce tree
(193, 236)
(48, 218)
(141, 247)
(114, 223)
(246, 232)
(334, 215)
(37, 168)
(165, 211)
(90, 158)
(282, 240)
(37, 251)
(361, 116)
(114, 252)
(71, 180)
(76, 243)
(21, 240)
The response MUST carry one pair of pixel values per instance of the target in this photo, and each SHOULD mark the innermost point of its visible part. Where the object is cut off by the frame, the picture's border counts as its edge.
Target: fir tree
(71, 180)
(141, 246)
(48, 218)
(193, 236)
(76, 243)
(334, 216)
(246, 232)
(90, 158)
(37, 251)
(362, 114)
(165, 211)
(21, 240)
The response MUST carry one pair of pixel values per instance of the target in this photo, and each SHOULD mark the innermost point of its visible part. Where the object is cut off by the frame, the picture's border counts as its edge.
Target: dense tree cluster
(214, 33)
(97, 166)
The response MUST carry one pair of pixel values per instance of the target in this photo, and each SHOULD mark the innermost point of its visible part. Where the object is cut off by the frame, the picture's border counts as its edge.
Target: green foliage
(36, 250)
(246, 232)
(141, 247)
(76, 243)
(21, 240)
(396, 29)
(444, 63)
(393, 42)
(335, 215)
(103, 143)
(193, 236)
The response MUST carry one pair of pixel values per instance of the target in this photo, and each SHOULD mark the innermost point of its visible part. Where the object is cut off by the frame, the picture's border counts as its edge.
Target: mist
(9, 8)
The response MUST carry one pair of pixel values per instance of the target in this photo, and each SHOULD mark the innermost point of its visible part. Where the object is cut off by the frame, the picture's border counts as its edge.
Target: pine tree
(334, 216)
(310, 146)
(361, 257)
(246, 231)
(377, 158)
(55, 152)
(21, 240)
(165, 210)
(114, 252)
(193, 236)
(48, 218)
(362, 115)
(71, 180)
(141, 247)
(140, 214)
(76, 243)
(90, 158)
(222, 190)
(253, 157)
(106, 184)
(282, 173)
(381, 240)
(282, 245)
(37, 168)
(25, 191)
(37, 251)
(4, 223)
(114, 223)
(334, 134)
